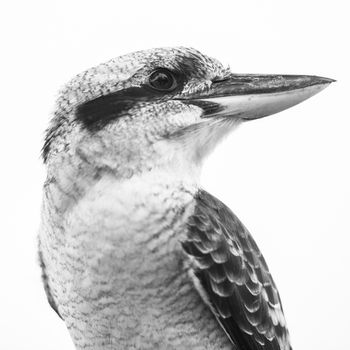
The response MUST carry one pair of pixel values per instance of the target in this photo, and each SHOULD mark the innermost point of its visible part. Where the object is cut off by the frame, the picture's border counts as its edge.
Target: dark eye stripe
(97, 113)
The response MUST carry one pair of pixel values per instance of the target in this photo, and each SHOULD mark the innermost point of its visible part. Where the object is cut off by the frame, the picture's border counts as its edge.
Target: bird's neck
(67, 185)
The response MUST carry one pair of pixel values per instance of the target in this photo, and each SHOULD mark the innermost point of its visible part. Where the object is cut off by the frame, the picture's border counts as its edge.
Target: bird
(134, 253)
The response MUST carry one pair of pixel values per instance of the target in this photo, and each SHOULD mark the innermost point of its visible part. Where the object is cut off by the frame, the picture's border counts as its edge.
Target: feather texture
(234, 277)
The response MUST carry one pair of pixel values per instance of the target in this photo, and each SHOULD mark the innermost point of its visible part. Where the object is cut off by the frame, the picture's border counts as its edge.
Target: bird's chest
(116, 256)
(115, 268)
(126, 241)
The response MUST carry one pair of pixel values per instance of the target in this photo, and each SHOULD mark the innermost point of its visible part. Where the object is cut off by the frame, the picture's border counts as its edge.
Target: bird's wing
(232, 277)
(46, 284)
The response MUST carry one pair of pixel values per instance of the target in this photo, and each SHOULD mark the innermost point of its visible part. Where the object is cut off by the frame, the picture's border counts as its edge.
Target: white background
(286, 176)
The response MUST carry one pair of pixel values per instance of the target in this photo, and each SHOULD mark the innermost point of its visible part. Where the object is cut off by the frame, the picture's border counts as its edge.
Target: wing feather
(233, 274)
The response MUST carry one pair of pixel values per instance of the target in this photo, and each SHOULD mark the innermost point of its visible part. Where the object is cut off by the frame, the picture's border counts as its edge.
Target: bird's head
(160, 108)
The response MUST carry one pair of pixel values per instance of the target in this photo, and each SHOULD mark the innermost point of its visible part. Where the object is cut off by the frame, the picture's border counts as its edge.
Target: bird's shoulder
(232, 277)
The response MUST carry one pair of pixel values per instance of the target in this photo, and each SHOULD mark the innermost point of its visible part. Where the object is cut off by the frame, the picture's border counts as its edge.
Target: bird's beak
(255, 96)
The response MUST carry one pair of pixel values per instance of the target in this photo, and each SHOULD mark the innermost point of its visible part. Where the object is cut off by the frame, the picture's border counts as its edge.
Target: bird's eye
(162, 80)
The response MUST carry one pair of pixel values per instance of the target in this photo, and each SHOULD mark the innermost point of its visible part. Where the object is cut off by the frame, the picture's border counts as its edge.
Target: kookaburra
(134, 254)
